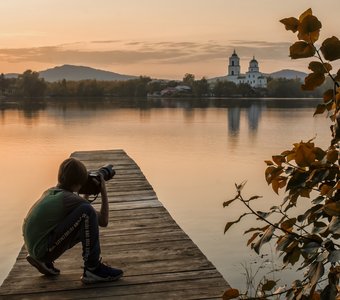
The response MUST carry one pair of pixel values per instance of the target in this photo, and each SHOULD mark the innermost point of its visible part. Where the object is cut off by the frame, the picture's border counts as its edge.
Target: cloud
(134, 52)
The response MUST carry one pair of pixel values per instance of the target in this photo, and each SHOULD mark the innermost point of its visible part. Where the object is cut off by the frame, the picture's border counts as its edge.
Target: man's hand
(103, 214)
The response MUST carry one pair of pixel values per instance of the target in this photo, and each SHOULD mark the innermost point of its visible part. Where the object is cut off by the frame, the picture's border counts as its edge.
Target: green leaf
(301, 49)
(330, 48)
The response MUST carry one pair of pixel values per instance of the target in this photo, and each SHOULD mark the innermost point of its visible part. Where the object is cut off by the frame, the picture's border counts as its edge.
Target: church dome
(234, 54)
(253, 61)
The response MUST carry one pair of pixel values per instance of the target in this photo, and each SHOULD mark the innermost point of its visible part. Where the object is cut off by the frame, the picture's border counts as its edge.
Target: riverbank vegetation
(304, 232)
(30, 85)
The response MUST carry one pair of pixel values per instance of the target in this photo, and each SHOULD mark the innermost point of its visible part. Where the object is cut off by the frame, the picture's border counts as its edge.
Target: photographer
(61, 218)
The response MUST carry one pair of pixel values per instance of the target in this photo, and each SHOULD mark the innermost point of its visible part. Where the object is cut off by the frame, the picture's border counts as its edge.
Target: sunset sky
(163, 39)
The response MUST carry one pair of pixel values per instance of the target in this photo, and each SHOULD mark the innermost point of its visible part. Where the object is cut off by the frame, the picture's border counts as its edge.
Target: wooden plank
(158, 258)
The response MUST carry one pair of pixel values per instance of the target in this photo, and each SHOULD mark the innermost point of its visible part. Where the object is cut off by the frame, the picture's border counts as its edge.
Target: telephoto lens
(92, 185)
(107, 172)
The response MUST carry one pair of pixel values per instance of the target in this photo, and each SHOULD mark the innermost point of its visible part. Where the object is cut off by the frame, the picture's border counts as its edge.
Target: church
(253, 77)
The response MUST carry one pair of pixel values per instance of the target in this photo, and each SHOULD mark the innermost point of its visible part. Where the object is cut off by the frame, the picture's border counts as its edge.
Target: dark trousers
(81, 225)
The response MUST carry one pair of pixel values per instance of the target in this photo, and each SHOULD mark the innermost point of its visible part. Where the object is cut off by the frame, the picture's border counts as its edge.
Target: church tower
(234, 68)
(253, 65)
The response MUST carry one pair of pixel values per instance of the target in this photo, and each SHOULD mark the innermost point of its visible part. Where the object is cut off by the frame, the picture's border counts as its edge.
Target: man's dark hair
(71, 172)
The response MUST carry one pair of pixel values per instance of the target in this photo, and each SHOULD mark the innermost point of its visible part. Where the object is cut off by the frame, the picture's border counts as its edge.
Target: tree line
(29, 84)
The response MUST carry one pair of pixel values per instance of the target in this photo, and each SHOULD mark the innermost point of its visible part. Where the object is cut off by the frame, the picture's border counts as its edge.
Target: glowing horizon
(152, 37)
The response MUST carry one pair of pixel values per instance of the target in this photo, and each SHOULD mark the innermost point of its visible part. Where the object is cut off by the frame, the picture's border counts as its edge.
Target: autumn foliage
(308, 239)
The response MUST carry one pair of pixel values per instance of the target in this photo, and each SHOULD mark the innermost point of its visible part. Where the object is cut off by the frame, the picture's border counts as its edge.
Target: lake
(191, 151)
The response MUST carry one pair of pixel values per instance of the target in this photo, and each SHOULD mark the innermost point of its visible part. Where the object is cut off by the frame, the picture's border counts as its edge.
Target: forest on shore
(30, 85)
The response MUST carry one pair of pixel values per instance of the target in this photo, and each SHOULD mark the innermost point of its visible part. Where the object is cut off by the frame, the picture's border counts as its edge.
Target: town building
(253, 77)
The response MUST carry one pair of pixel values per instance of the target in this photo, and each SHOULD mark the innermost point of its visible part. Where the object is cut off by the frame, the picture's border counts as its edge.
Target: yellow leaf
(316, 296)
(332, 209)
(278, 159)
(308, 12)
(275, 186)
(313, 80)
(301, 50)
(231, 294)
(288, 224)
(325, 189)
(269, 162)
(305, 193)
(291, 156)
(304, 155)
(337, 77)
(291, 23)
(331, 48)
(283, 183)
(268, 174)
(328, 95)
(309, 29)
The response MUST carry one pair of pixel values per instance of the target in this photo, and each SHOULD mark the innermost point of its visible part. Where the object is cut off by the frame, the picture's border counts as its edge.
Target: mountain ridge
(76, 73)
(73, 72)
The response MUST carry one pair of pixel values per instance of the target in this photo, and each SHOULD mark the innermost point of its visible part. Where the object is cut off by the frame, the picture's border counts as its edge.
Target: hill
(71, 72)
(288, 74)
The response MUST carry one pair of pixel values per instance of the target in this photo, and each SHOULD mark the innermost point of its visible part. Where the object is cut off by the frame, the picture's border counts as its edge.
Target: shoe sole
(89, 280)
(39, 267)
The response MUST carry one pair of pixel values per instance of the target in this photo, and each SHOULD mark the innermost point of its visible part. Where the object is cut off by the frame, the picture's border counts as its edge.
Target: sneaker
(46, 268)
(101, 273)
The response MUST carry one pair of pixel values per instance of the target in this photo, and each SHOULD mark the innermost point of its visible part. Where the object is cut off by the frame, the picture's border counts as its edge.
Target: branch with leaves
(304, 171)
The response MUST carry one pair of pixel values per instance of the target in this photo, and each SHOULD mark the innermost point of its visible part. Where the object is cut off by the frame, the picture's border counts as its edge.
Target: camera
(92, 185)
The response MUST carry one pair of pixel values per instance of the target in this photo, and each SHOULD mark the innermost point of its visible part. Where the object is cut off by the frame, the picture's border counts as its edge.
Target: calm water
(192, 152)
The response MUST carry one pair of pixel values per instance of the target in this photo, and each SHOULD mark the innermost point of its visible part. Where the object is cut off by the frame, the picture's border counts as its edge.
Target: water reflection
(192, 151)
(64, 108)
(254, 115)
(234, 114)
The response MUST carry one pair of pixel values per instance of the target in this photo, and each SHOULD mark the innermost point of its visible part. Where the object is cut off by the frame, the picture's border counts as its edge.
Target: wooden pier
(159, 260)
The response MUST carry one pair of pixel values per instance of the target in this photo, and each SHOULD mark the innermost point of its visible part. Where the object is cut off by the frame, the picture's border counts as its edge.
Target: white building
(253, 77)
